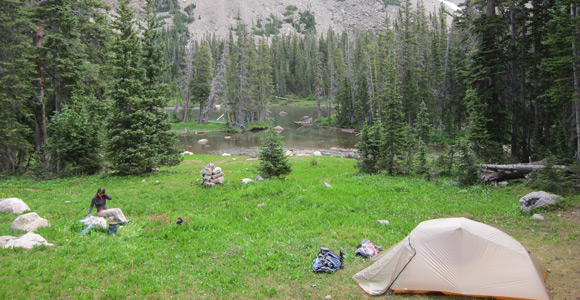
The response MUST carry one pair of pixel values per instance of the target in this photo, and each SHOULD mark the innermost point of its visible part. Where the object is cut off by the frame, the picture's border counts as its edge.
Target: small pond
(298, 138)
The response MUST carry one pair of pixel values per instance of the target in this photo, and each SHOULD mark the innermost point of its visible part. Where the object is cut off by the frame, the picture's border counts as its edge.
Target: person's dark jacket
(99, 202)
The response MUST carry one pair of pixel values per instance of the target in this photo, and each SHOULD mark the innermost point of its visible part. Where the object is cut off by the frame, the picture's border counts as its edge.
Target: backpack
(327, 261)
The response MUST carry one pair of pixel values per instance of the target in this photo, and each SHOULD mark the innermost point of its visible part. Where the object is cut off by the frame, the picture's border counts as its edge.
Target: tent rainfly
(457, 256)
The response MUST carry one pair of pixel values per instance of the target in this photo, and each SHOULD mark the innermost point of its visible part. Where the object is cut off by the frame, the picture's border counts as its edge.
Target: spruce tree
(477, 133)
(17, 69)
(139, 136)
(370, 148)
(273, 161)
(201, 81)
(395, 142)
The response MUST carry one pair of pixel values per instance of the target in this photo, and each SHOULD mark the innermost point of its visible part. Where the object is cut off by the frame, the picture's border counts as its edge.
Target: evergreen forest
(84, 86)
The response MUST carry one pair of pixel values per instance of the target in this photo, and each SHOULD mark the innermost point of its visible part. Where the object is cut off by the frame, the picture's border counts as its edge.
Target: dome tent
(456, 256)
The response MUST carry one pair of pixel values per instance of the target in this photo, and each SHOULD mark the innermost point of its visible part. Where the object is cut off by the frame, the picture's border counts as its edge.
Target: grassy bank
(256, 240)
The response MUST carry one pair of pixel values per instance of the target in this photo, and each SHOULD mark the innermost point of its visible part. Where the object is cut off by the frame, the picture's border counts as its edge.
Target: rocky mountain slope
(218, 16)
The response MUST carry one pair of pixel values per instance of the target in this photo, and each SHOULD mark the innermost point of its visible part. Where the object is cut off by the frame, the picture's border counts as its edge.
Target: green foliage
(552, 180)
(273, 161)
(467, 172)
(308, 22)
(77, 138)
(392, 2)
(17, 70)
(371, 148)
(423, 126)
(139, 137)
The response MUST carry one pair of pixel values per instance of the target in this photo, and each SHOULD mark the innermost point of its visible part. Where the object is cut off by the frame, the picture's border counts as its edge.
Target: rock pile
(212, 175)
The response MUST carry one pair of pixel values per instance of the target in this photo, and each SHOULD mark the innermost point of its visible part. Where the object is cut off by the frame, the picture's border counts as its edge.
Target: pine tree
(273, 161)
(138, 127)
(477, 133)
(201, 81)
(370, 148)
(395, 142)
(17, 70)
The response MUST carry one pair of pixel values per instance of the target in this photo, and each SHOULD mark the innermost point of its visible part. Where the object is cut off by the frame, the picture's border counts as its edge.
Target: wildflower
(24, 223)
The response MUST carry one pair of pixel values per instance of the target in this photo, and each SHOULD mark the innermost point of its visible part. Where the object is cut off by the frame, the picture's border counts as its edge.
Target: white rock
(29, 222)
(98, 221)
(327, 185)
(202, 141)
(226, 154)
(156, 181)
(27, 241)
(289, 153)
(143, 180)
(227, 137)
(187, 153)
(328, 297)
(67, 202)
(251, 159)
(259, 178)
(317, 153)
(246, 180)
(13, 205)
(279, 128)
(538, 217)
(384, 222)
(261, 204)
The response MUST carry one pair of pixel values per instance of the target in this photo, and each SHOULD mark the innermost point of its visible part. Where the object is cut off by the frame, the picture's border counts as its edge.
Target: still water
(295, 137)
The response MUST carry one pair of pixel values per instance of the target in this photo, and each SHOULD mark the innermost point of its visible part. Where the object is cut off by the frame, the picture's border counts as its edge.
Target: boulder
(537, 200)
(187, 153)
(202, 141)
(259, 178)
(29, 222)
(279, 128)
(289, 153)
(98, 221)
(27, 241)
(13, 205)
(317, 153)
(247, 180)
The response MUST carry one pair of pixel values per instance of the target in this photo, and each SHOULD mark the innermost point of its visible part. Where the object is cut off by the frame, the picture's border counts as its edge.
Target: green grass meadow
(254, 241)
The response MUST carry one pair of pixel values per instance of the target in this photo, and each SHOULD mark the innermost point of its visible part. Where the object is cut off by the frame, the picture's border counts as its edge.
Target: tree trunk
(443, 99)
(494, 173)
(574, 14)
(41, 128)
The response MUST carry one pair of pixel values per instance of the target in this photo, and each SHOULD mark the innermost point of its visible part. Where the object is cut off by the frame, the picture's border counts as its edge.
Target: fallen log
(493, 173)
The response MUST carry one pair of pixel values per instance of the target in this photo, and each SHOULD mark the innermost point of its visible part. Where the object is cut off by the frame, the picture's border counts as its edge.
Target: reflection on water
(294, 136)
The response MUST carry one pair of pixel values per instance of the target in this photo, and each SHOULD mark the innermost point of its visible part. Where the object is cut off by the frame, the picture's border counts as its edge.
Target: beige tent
(456, 256)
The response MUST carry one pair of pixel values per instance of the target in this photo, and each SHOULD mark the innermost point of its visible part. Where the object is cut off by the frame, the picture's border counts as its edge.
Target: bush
(552, 180)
